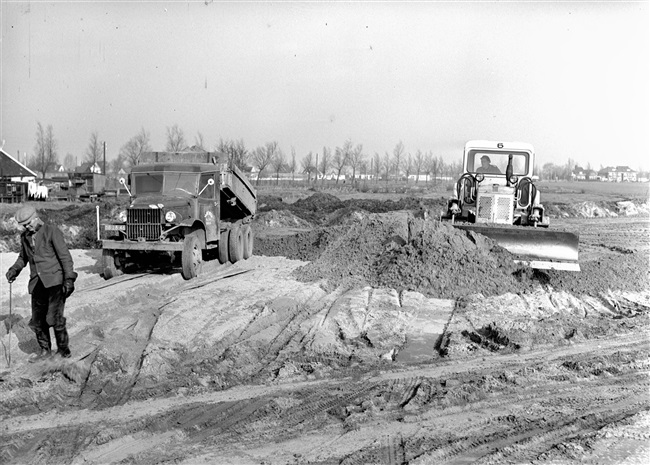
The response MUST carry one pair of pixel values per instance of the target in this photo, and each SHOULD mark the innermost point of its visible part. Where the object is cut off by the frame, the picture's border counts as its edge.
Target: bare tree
(398, 151)
(308, 165)
(418, 163)
(118, 163)
(325, 161)
(377, 162)
(387, 166)
(356, 159)
(69, 162)
(454, 169)
(263, 156)
(199, 141)
(342, 158)
(278, 163)
(45, 150)
(292, 164)
(568, 169)
(434, 165)
(132, 151)
(175, 139)
(408, 166)
(94, 149)
(237, 152)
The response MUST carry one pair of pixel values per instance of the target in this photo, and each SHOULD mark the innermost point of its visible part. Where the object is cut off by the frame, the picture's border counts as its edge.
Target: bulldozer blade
(536, 247)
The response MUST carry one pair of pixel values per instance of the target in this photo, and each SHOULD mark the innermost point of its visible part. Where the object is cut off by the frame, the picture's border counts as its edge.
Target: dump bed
(235, 184)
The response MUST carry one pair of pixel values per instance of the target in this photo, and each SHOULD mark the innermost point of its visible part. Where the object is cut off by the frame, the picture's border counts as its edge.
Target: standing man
(51, 279)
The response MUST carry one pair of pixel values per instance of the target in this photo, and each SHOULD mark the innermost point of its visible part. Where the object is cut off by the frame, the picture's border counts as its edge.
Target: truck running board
(538, 248)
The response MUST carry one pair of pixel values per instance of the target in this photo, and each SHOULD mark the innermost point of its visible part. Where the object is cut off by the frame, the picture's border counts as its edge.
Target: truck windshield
(148, 183)
(181, 184)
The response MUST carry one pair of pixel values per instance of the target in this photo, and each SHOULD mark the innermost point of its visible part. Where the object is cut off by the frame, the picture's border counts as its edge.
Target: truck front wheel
(236, 244)
(110, 263)
(192, 257)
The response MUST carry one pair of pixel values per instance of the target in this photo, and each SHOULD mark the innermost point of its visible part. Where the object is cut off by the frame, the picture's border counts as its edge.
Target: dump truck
(183, 206)
(496, 196)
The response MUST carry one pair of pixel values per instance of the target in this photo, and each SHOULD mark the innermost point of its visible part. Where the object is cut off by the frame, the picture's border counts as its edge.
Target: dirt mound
(399, 251)
(626, 271)
(326, 209)
(275, 219)
(306, 245)
(320, 201)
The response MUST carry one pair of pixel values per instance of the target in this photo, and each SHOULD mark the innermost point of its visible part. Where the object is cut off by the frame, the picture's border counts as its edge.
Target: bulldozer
(496, 196)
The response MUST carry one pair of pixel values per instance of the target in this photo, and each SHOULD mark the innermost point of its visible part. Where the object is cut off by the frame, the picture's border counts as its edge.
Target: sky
(570, 78)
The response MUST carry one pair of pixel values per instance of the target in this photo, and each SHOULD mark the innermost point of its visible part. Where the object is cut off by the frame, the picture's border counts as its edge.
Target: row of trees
(348, 159)
(269, 160)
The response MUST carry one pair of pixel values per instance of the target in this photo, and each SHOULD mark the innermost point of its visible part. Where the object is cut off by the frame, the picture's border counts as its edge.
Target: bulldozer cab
(491, 159)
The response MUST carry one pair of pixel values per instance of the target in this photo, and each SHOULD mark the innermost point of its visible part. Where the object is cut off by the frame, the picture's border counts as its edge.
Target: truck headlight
(513, 179)
(479, 177)
(122, 216)
(170, 216)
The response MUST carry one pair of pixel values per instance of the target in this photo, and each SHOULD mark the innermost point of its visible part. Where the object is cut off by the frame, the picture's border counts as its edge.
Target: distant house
(581, 174)
(88, 167)
(618, 174)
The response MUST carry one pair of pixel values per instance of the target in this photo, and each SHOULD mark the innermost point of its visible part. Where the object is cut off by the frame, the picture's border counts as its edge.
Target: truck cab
(182, 206)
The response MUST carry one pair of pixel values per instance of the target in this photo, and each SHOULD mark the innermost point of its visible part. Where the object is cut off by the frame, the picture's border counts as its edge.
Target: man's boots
(42, 355)
(61, 336)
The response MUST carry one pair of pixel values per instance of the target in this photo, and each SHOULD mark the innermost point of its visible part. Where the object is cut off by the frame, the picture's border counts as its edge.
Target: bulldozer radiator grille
(495, 209)
(484, 209)
(143, 222)
(503, 213)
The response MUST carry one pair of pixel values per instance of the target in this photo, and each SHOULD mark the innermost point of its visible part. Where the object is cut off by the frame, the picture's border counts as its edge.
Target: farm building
(617, 174)
(14, 179)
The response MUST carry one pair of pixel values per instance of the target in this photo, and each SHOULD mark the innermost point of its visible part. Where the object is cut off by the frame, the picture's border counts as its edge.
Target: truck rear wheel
(235, 244)
(248, 241)
(223, 247)
(192, 257)
(110, 264)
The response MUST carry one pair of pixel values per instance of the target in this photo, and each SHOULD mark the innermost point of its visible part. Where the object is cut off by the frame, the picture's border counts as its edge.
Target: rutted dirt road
(250, 363)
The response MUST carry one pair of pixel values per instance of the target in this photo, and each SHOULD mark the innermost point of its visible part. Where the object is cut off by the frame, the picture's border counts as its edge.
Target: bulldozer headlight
(480, 177)
(122, 216)
(170, 216)
(513, 179)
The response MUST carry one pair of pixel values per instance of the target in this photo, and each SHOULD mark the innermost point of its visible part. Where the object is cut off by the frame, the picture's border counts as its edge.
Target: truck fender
(190, 226)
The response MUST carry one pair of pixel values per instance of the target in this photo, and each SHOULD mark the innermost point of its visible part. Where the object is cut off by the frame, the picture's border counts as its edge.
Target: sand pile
(400, 251)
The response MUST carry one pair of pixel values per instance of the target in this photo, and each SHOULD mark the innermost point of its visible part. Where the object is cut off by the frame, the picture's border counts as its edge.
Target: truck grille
(496, 208)
(143, 222)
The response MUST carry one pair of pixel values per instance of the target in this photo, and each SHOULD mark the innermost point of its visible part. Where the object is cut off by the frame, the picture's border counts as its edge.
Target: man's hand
(11, 275)
(68, 287)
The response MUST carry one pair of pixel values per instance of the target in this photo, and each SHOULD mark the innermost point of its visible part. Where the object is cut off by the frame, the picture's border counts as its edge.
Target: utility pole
(104, 172)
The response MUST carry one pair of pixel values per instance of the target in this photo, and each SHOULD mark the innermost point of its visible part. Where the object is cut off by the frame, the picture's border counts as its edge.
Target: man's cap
(25, 214)
(485, 157)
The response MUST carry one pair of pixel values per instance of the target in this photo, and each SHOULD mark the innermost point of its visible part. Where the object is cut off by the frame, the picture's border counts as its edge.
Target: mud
(356, 356)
